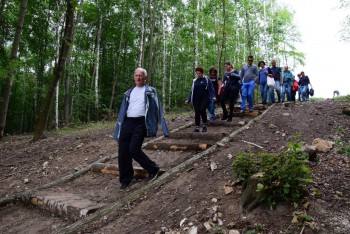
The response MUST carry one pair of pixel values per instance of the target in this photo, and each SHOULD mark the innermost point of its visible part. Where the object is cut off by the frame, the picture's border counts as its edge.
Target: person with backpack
(264, 72)
(202, 93)
(304, 83)
(231, 85)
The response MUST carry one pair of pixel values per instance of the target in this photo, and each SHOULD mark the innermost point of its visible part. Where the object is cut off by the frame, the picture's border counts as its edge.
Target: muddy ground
(194, 196)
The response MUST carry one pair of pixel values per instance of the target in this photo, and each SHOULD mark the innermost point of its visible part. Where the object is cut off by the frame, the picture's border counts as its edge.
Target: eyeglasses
(250, 60)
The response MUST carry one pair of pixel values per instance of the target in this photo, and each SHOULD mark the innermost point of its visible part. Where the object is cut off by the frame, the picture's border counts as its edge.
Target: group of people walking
(206, 91)
(141, 110)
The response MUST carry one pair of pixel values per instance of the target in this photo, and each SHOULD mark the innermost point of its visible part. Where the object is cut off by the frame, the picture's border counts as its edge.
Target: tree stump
(251, 195)
(346, 110)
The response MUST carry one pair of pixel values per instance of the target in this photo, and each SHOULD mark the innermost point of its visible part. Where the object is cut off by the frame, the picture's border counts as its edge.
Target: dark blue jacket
(154, 113)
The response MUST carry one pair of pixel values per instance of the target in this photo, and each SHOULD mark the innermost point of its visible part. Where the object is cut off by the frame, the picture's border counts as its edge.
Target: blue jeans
(278, 90)
(263, 91)
(286, 89)
(303, 90)
(211, 109)
(247, 94)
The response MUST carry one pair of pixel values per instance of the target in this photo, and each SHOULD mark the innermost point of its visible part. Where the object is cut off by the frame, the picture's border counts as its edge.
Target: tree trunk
(142, 40)
(164, 53)
(150, 52)
(195, 32)
(59, 67)
(11, 68)
(249, 36)
(223, 33)
(57, 91)
(97, 67)
(118, 58)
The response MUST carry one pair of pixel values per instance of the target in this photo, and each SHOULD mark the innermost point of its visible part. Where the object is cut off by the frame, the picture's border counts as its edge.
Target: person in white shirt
(139, 115)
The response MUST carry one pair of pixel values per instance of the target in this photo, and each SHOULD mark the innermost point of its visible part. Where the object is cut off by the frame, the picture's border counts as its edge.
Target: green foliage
(342, 98)
(316, 99)
(120, 52)
(285, 174)
(259, 228)
(342, 147)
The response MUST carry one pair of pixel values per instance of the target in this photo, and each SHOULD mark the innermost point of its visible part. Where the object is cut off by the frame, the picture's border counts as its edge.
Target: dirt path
(192, 196)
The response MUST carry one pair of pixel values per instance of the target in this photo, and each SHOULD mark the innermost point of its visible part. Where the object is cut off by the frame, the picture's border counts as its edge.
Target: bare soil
(191, 197)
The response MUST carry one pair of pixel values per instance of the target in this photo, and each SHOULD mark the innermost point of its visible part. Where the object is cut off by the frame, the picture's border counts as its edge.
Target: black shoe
(204, 128)
(229, 119)
(224, 117)
(196, 129)
(124, 185)
(153, 177)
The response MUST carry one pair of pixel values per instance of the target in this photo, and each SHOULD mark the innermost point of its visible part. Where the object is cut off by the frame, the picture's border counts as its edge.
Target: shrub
(285, 174)
(342, 147)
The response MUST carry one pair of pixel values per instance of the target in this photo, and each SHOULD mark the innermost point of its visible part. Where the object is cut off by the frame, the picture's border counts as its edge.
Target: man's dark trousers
(131, 138)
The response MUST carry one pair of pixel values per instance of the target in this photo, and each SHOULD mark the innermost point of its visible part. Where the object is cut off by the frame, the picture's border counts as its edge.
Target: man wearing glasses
(249, 74)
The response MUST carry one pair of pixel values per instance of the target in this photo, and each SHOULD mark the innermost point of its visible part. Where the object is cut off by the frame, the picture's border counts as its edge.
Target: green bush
(342, 147)
(285, 174)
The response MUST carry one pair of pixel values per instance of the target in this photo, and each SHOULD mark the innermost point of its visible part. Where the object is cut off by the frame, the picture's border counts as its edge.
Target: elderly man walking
(139, 115)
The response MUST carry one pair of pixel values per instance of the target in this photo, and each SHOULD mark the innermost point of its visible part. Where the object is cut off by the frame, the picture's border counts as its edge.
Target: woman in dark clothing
(231, 85)
(213, 75)
(202, 93)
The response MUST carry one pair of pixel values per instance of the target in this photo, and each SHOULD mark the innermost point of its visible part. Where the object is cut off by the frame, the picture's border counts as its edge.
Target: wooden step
(113, 169)
(215, 136)
(177, 146)
(63, 204)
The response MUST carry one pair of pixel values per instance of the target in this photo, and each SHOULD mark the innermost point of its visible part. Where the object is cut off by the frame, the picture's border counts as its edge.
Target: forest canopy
(111, 38)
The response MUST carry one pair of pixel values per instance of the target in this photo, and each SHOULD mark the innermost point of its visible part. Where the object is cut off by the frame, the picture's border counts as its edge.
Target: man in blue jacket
(288, 81)
(139, 115)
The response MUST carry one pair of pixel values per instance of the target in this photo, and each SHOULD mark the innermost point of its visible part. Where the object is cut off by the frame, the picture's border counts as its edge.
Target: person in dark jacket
(139, 115)
(202, 93)
(304, 83)
(213, 75)
(232, 85)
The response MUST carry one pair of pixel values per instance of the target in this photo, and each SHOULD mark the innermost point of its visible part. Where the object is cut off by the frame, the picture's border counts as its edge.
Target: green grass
(342, 98)
(78, 128)
(317, 99)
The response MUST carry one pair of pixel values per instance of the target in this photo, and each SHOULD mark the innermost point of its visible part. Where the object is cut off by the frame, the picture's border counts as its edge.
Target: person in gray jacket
(249, 75)
(139, 115)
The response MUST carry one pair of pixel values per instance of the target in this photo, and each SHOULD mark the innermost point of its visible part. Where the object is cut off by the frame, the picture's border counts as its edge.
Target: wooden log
(252, 196)
(247, 114)
(113, 207)
(198, 135)
(113, 169)
(176, 147)
(65, 205)
(24, 196)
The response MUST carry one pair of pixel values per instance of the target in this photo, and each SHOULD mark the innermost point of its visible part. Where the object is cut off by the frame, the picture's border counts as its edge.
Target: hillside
(198, 190)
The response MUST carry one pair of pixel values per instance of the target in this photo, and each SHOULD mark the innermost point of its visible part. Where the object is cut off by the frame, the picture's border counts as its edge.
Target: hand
(186, 102)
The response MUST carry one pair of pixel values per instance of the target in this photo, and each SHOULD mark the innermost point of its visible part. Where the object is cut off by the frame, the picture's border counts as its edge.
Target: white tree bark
(142, 44)
(98, 62)
(164, 53)
(196, 16)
